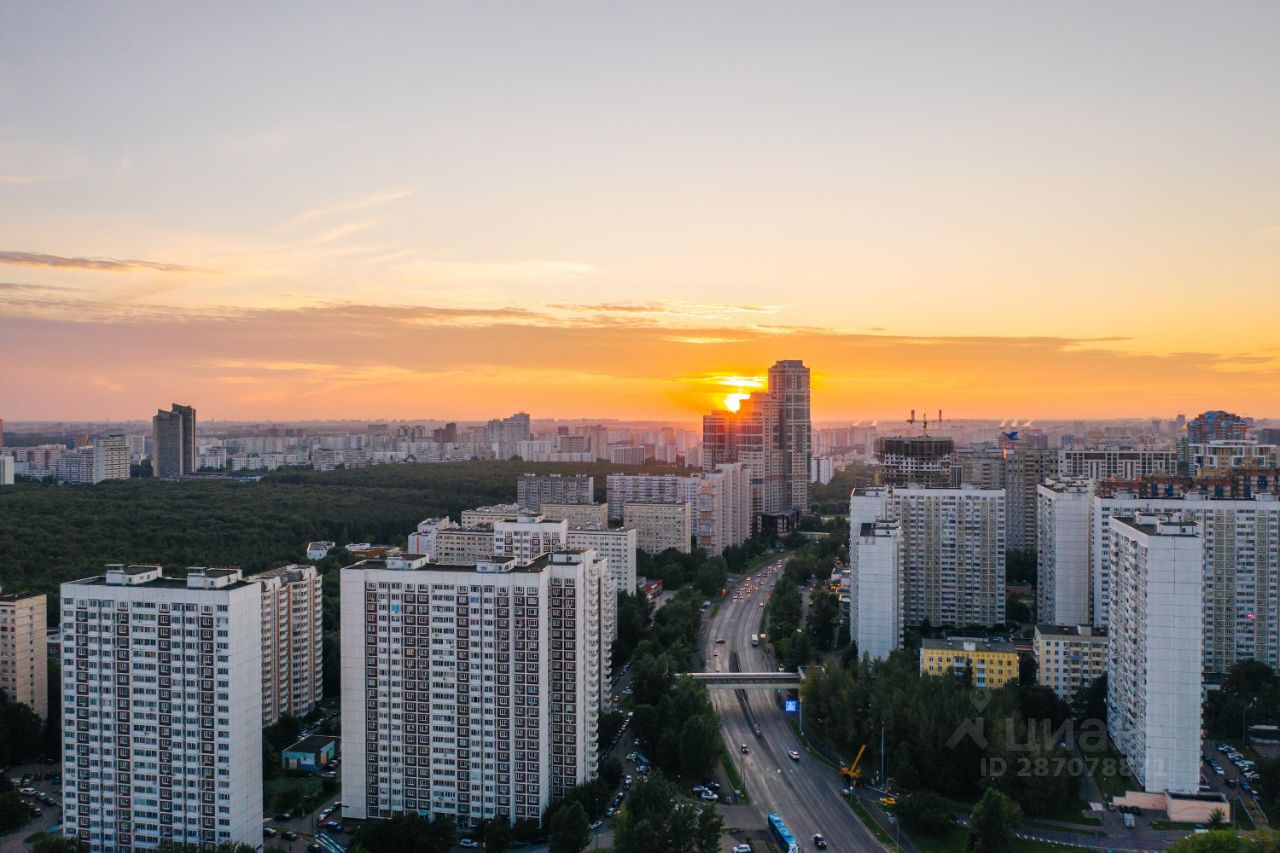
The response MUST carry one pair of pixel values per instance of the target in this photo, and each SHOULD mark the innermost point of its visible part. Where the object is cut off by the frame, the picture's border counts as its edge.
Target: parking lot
(41, 788)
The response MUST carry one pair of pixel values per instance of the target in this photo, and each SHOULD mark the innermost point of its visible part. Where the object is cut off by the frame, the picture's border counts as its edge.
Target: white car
(708, 797)
(742, 848)
(469, 843)
(795, 756)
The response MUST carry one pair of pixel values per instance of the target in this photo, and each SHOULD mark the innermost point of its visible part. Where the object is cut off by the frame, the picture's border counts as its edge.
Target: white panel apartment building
(875, 596)
(1063, 567)
(161, 709)
(473, 690)
(423, 540)
(1153, 658)
(1115, 463)
(623, 489)
(617, 545)
(1069, 657)
(659, 526)
(953, 550)
(292, 641)
(533, 490)
(1240, 576)
(578, 515)
(721, 507)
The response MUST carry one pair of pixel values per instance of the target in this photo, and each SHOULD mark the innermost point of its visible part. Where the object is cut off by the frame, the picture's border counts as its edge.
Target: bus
(779, 832)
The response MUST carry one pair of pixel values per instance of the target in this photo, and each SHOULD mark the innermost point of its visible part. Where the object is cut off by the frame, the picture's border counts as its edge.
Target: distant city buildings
(24, 658)
(920, 460)
(532, 490)
(455, 699)
(1115, 463)
(106, 459)
(1154, 657)
(183, 765)
(173, 444)
(771, 434)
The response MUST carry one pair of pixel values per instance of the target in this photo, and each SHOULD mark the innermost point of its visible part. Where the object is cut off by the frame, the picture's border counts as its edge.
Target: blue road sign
(791, 705)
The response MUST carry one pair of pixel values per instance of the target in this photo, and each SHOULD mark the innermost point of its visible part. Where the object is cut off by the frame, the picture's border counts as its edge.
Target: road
(806, 793)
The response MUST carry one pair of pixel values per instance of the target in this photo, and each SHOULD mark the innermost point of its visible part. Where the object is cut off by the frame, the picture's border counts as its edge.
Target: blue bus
(781, 834)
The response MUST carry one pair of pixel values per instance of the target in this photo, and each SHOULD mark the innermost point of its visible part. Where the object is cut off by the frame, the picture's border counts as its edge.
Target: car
(708, 797)
(742, 848)
(889, 801)
(1230, 783)
(795, 756)
(762, 604)
(1218, 769)
(315, 847)
(610, 812)
(469, 842)
(719, 641)
(26, 792)
(627, 780)
(819, 841)
(755, 728)
(282, 817)
(711, 785)
(595, 824)
(290, 835)
(746, 750)
(333, 824)
(1244, 786)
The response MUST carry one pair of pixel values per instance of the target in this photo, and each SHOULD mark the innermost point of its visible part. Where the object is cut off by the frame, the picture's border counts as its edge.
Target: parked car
(469, 843)
(290, 835)
(742, 848)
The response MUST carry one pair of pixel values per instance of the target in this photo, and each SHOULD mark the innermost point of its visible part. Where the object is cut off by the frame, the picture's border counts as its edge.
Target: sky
(602, 209)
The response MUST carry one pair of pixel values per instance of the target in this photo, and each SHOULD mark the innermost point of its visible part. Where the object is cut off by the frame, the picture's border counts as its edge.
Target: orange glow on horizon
(733, 401)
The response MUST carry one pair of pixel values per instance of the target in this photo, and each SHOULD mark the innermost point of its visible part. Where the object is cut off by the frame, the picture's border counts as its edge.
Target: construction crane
(852, 772)
(925, 420)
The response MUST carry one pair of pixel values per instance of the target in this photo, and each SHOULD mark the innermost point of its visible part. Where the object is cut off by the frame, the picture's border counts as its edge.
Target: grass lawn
(954, 842)
(1070, 812)
(1243, 819)
(294, 791)
(869, 822)
(1109, 771)
(731, 771)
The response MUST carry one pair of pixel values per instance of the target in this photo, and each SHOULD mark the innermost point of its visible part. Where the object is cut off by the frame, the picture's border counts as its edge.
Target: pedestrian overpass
(747, 680)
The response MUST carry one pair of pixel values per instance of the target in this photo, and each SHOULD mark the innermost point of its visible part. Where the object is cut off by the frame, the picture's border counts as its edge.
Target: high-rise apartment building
(617, 545)
(771, 434)
(532, 490)
(503, 435)
(1025, 469)
(1063, 570)
(953, 550)
(422, 541)
(1240, 575)
(464, 544)
(6, 470)
(161, 709)
(1069, 657)
(981, 465)
(292, 641)
(623, 489)
(917, 460)
(875, 591)
(1217, 426)
(578, 515)
(471, 691)
(24, 660)
(1153, 656)
(107, 459)
(720, 505)
(173, 444)
(659, 526)
(1115, 463)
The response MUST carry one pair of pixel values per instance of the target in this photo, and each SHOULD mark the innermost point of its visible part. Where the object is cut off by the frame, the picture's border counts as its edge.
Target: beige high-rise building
(659, 526)
(292, 641)
(24, 657)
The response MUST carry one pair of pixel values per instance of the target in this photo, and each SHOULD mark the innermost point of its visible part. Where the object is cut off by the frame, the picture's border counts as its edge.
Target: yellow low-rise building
(994, 664)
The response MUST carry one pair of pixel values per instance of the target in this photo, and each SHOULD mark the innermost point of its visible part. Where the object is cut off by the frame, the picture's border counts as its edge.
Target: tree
(611, 772)
(992, 823)
(526, 830)
(1090, 701)
(925, 811)
(13, 811)
(497, 835)
(700, 745)
(658, 817)
(1213, 841)
(1217, 819)
(711, 576)
(569, 830)
(824, 616)
(407, 833)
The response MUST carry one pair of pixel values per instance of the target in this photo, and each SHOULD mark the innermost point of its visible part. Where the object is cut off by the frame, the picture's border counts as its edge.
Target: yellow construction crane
(852, 773)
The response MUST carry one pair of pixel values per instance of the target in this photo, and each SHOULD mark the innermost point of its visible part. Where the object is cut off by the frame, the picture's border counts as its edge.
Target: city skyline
(478, 207)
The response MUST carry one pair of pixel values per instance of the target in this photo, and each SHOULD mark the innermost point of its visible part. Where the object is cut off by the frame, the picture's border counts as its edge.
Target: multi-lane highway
(806, 793)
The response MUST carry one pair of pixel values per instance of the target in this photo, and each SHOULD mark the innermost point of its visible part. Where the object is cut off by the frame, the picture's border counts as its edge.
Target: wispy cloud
(447, 270)
(350, 206)
(36, 259)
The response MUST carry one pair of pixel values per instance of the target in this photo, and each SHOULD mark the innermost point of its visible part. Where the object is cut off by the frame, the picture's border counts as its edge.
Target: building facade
(464, 545)
(533, 490)
(578, 515)
(875, 590)
(173, 442)
(1153, 660)
(471, 691)
(993, 664)
(953, 550)
(161, 709)
(24, 655)
(920, 460)
(1025, 469)
(1062, 567)
(292, 641)
(1069, 657)
(622, 489)
(720, 506)
(1115, 463)
(617, 545)
(659, 526)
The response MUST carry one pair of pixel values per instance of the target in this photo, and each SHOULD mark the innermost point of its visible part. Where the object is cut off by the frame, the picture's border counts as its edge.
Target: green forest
(50, 534)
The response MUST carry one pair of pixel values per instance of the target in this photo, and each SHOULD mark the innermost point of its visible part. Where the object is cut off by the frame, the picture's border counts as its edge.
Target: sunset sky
(603, 208)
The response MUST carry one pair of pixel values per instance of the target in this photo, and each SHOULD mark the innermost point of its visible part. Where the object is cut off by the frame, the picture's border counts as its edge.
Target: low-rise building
(993, 663)
(312, 753)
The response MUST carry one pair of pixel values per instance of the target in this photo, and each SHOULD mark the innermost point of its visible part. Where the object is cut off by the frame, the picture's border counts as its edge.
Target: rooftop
(970, 644)
(1086, 631)
(492, 565)
(312, 743)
